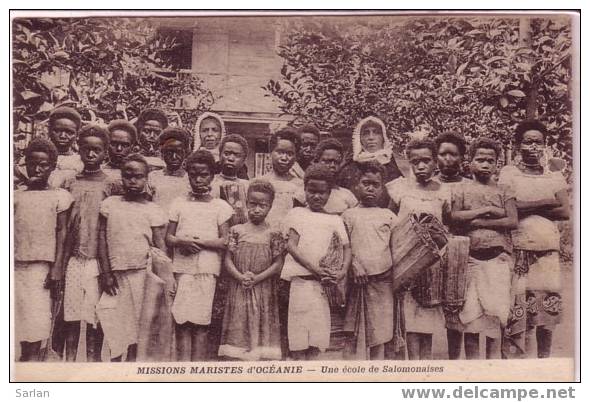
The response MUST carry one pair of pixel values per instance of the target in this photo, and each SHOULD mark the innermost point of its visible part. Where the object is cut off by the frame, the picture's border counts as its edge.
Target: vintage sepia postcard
(294, 196)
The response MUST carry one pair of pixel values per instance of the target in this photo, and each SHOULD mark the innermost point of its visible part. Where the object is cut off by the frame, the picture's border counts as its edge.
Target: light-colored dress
(129, 232)
(250, 329)
(68, 166)
(286, 192)
(166, 187)
(196, 273)
(35, 219)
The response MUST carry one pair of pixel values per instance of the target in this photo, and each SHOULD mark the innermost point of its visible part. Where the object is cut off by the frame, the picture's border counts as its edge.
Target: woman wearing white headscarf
(370, 143)
(207, 134)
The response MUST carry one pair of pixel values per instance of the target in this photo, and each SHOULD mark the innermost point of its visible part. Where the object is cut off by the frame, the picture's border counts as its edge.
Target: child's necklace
(450, 179)
(228, 177)
(88, 171)
(535, 167)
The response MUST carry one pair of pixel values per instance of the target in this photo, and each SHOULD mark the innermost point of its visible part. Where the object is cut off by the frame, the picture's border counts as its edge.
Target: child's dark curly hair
(175, 133)
(328, 143)
(529, 125)
(371, 167)
(486, 143)
(319, 172)
(288, 134)
(137, 158)
(201, 156)
(236, 139)
(94, 130)
(65, 112)
(262, 186)
(453, 138)
(121, 124)
(42, 145)
(309, 129)
(421, 144)
(152, 114)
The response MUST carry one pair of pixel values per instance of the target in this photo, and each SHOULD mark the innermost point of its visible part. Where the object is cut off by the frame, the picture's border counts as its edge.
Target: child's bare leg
(493, 348)
(425, 346)
(454, 339)
(30, 351)
(528, 342)
(312, 353)
(413, 344)
(378, 352)
(199, 343)
(299, 354)
(94, 338)
(544, 340)
(72, 329)
(471, 346)
(284, 287)
(183, 342)
(131, 353)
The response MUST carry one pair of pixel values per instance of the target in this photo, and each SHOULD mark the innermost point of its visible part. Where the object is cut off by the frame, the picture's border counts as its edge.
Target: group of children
(285, 246)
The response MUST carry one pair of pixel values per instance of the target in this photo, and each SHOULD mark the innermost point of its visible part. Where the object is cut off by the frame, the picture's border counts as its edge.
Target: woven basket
(413, 248)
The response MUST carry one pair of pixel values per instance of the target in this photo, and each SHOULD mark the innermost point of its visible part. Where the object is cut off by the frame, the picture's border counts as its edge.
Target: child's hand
(339, 275)
(495, 212)
(55, 287)
(359, 274)
(189, 246)
(255, 280)
(477, 223)
(328, 280)
(251, 278)
(249, 274)
(108, 283)
(247, 279)
(324, 272)
(172, 292)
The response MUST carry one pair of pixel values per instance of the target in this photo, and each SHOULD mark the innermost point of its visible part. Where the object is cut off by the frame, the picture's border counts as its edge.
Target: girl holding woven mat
(541, 200)
(128, 226)
(417, 195)
(318, 256)
(451, 148)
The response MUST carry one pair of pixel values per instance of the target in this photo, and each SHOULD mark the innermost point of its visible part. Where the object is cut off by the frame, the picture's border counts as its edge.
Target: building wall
(236, 57)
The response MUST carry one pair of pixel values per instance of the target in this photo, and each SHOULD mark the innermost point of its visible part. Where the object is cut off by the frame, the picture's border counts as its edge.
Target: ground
(563, 339)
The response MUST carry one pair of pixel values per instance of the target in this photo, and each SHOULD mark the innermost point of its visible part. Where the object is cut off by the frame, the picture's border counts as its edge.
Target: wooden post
(524, 40)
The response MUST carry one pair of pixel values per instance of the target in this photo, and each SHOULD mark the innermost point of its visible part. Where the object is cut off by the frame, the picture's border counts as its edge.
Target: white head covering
(382, 156)
(197, 132)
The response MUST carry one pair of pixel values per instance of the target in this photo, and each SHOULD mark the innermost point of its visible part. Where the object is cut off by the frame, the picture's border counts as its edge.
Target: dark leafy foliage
(473, 75)
(107, 67)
